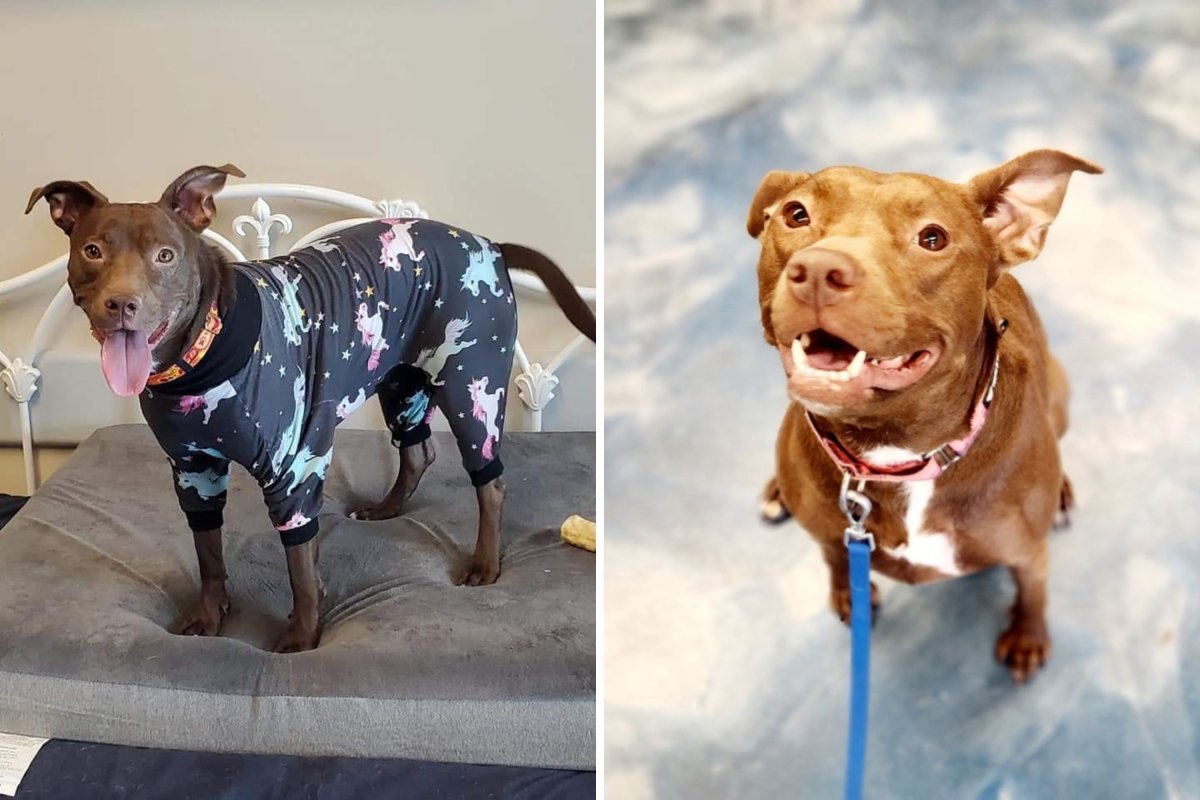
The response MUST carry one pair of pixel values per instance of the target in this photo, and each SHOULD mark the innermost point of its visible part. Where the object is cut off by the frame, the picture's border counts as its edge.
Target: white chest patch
(925, 548)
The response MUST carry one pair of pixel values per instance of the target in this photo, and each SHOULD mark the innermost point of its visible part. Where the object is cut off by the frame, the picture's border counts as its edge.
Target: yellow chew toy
(579, 532)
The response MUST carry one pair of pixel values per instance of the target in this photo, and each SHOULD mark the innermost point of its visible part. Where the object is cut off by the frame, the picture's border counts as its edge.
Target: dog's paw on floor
(1023, 648)
(839, 599)
(1066, 504)
(376, 513)
(204, 619)
(478, 574)
(298, 638)
(772, 512)
(770, 507)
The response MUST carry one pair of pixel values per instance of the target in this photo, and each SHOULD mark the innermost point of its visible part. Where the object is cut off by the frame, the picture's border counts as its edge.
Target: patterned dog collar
(194, 354)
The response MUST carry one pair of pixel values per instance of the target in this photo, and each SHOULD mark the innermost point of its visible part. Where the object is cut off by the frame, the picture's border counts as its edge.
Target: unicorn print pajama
(421, 313)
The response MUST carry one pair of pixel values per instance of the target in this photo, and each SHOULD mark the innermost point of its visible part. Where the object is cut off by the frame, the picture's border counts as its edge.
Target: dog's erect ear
(69, 200)
(191, 194)
(1020, 199)
(770, 191)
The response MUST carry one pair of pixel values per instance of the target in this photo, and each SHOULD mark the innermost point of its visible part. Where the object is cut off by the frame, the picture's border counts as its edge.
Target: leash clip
(856, 506)
(946, 456)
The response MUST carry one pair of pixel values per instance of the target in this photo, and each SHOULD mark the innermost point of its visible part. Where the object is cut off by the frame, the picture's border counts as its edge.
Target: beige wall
(12, 468)
(483, 112)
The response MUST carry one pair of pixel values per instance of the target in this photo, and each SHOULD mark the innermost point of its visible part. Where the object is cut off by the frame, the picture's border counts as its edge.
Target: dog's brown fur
(121, 276)
(997, 504)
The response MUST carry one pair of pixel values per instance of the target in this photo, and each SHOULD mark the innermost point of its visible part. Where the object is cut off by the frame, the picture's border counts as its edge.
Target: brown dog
(906, 345)
(157, 294)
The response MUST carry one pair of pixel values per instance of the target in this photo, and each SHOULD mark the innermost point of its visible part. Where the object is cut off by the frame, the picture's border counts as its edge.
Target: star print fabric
(413, 309)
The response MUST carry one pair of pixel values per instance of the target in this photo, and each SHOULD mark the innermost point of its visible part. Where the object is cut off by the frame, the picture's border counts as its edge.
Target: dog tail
(576, 309)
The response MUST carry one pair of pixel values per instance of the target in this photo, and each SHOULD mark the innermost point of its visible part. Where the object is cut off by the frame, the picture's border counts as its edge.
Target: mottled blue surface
(725, 670)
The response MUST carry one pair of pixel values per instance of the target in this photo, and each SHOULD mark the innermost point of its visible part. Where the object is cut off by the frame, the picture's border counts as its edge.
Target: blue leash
(859, 543)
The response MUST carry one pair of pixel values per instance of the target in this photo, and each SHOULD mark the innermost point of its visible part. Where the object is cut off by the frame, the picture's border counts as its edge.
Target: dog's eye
(91, 251)
(165, 256)
(795, 215)
(933, 237)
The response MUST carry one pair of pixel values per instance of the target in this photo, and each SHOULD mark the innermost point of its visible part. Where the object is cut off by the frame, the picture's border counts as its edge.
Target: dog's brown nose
(821, 277)
(123, 307)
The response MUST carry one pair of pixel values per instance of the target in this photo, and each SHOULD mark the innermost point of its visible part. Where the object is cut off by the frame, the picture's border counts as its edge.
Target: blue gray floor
(726, 673)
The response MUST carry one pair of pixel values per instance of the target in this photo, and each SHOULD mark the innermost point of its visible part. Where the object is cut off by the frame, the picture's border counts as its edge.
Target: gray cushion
(99, 566)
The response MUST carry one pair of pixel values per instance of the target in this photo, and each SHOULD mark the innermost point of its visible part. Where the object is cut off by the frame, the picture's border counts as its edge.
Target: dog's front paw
(839, 599)
(206, 616)
(480, 573)
(1023, 648)
(298, 637)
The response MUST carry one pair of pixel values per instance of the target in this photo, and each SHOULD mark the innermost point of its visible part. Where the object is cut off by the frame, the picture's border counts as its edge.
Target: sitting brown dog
(907, 346)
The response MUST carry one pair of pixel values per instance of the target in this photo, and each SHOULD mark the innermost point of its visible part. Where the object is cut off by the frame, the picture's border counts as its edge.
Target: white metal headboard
(535, 383)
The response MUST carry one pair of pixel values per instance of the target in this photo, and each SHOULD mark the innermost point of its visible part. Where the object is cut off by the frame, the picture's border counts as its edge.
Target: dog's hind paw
(1066, 504)
(770, 505)
(773, 512)
(377, 512)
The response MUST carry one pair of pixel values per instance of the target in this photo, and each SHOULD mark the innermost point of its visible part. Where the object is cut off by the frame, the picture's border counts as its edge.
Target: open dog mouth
(125, 356)
(154, 338)
(819, 362)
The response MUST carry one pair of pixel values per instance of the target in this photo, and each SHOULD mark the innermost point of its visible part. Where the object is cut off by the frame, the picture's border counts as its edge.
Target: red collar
(928, 466)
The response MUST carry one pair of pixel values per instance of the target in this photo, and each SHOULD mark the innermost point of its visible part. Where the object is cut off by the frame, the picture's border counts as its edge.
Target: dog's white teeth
(798, 355)
(892, 363)
(804, 341)
(856, 365)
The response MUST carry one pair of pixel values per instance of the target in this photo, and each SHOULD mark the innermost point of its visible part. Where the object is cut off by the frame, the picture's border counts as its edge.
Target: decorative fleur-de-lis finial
(20, 380)
(262, 220)
(535, 386)
(398, 209)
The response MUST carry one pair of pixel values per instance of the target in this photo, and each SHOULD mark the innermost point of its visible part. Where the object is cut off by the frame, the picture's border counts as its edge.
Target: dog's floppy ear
(770, 191)
(1019, 200)
(191, 194)
(68, 200)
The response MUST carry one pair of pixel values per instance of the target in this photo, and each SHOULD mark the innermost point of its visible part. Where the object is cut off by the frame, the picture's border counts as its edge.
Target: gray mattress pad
(98, 567)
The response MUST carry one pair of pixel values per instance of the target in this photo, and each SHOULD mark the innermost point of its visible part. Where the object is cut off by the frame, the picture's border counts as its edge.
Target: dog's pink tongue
(125, 359)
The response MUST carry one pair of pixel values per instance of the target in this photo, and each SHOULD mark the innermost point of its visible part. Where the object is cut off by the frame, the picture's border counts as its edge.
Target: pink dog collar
(928, 466)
